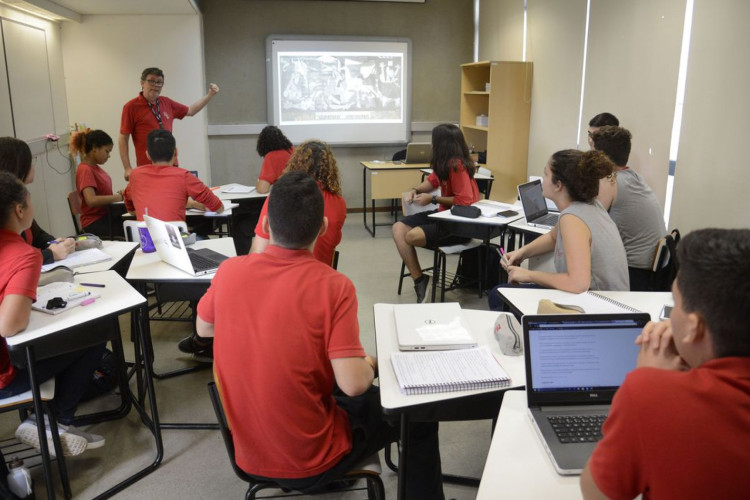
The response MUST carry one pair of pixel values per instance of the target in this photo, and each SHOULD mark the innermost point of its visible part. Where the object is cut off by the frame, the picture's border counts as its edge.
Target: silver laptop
(535, 205)
(418, 152)
(574, 365)
(171, 249)
(432, 327)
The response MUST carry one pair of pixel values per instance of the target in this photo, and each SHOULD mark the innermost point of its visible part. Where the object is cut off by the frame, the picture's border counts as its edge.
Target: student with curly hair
(588, 251)
(15, 157)
(93, 183)
(276, 150)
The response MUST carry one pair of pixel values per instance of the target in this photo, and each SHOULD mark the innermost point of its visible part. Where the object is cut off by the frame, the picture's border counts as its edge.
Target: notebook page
(80, 258)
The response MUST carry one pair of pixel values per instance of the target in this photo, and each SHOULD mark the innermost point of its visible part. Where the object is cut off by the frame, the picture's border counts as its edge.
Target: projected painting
(332, 87)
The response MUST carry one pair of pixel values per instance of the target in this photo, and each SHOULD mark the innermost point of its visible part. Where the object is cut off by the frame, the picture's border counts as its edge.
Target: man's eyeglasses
(155, 83)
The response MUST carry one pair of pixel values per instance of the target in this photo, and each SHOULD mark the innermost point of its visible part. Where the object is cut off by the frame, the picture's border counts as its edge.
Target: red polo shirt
(273, 164)
(96, 177)
(138, 120)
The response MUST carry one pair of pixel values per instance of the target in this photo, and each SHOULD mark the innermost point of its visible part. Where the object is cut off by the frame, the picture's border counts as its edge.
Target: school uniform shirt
(95, 177)
(459, 185)
(334, 208)
(279, 319)
(273, 164)
(164, 190)
(138, 119)
(673, 434)
(20, 266)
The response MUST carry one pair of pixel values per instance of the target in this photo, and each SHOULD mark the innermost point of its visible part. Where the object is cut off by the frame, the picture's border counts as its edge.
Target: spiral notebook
(448, 371)
(589, 303)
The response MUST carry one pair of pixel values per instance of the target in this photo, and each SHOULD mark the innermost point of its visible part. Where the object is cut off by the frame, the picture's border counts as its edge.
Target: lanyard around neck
(156, 111)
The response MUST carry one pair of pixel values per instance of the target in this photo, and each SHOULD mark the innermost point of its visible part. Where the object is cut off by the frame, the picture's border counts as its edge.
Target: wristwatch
(434, 198)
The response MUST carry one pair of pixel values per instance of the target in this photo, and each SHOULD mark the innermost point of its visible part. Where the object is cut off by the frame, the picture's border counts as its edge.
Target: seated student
(588, 249)
(15, 157)
(632, 205)
(452, 172)
(275, 149)
(93, 183)
(601, 120)
(281, 353)
(162, 190)
(680, 423)
(20, 266)
(315, 158)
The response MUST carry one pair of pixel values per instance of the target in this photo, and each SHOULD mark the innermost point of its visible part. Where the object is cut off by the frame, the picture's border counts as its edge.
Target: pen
(97, 285)
(502, 257)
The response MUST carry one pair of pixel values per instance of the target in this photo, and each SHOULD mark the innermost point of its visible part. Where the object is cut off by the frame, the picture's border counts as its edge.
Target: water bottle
(19, 479)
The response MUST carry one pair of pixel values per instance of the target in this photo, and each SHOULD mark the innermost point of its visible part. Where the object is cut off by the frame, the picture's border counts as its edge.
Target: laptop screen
(579, 358)
(532, 199)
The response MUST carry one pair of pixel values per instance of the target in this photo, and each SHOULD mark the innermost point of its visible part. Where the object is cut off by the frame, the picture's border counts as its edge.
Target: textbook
(448, 371)
(583, 303)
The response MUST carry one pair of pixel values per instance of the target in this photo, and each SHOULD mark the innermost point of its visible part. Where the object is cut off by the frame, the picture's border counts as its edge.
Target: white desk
(517, 465)
(459, 405)
(117, 249)
(237, 196)
(149, 268)
(525, 300)
(67, 330)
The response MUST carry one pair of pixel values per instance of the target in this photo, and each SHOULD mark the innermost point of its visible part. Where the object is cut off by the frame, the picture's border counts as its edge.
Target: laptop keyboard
(578, 428)
(201, 263)
(547, 220)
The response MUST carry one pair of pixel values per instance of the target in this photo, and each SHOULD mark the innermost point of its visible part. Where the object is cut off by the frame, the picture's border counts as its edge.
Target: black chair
(74, 203)
(375, 488)
(665, 266)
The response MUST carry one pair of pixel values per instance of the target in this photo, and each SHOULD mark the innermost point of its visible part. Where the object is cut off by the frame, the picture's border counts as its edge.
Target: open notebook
(584, 303)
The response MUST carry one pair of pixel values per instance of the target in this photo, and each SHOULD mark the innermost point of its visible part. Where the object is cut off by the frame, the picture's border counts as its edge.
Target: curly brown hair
(580, 172)
(315, 157)
(84, 141)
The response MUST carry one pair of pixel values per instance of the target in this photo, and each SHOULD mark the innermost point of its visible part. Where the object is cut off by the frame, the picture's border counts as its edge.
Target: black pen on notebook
(96, 285)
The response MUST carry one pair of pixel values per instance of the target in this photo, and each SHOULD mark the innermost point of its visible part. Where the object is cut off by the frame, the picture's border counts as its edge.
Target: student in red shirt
(151, 111)
(452, 172)
(163, 190)
(15, 157)
(275, 149)
(680, 423)
(20, 266)
(93, 183)
(295, 381)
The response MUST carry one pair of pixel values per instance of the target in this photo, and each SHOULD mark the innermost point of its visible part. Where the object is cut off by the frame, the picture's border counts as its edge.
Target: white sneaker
(94, 440)
(72, 444)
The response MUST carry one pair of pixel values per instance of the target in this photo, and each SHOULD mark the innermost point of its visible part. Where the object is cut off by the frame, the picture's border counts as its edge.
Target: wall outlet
(52, 137)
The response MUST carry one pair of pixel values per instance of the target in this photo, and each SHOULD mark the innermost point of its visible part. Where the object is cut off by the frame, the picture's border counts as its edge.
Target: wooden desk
(517, 465)
(525, 300)
(388, 181)
(48, 334)
(460, 405)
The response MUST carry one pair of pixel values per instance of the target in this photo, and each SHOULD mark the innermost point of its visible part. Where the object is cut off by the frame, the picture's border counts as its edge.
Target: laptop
(535, 206)
(418, 152)
(171, 249)
(432, 327)
(574, 365)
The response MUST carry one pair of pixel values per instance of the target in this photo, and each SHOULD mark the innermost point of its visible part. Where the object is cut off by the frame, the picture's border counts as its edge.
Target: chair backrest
(664, 266)
(74, 203)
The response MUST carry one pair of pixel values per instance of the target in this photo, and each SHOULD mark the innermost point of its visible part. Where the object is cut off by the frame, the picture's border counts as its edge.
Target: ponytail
(580, 172)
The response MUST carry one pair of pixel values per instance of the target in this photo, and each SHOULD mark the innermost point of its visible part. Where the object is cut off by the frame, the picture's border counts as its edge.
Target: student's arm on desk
(589, 489)
(577, 245)
(354, 376)
(15, 311)
(262, 186)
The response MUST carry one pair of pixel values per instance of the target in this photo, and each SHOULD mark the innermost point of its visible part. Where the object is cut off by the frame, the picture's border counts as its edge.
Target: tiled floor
(195, 463)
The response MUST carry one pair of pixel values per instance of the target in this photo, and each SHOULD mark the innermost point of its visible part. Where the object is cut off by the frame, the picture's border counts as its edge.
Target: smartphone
(665, 312)
(507, 213)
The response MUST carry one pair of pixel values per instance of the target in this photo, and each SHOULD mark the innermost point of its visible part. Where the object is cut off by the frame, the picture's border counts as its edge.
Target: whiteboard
(29, 79)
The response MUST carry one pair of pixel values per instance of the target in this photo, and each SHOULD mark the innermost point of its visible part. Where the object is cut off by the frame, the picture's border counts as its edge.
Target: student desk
(245, 217)
(460, 405)
(121, 252)
(484, 228)
(517, 465)
(525, 300)
(148, 268)
(48, 335)
(388, 181)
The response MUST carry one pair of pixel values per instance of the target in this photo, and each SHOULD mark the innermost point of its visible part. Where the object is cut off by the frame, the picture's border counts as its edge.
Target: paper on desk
(491, 208)
(80, 258)
(237, 188)
(69, 292)
(228, 205)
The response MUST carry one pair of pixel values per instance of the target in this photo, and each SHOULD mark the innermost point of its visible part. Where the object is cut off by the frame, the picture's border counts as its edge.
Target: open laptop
(171, 249)
(535, 206)
(574, 365)
(432, 327)
(418, 152)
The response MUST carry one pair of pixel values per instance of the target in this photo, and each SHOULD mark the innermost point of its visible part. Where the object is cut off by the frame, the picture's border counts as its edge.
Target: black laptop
(574, 365)
(535, 205)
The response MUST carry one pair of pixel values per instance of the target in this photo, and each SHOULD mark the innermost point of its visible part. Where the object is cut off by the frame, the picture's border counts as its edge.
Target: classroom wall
(104, 57)
(53, 173)
(235, 36)
(631, 71)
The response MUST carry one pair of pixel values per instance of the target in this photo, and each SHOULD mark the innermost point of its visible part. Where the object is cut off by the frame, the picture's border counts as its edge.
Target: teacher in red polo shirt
(150, 111)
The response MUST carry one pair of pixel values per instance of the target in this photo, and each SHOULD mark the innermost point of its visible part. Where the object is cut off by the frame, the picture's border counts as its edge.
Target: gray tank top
(609, 265)
(639, 218)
